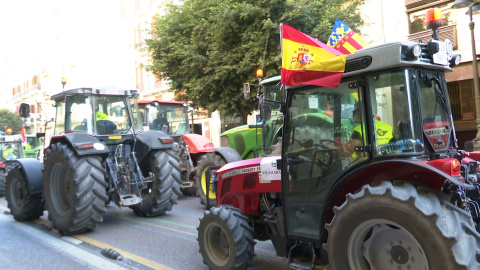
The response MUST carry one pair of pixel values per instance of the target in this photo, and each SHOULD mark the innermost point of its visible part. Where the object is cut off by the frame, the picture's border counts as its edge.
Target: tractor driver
(101, 116)
(383, 133)
(104, 126)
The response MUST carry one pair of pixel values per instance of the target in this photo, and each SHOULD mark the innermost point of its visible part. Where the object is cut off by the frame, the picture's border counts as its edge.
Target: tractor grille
(250, 181)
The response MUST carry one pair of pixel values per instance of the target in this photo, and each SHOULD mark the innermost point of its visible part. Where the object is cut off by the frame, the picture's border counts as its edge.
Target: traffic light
(8, 131)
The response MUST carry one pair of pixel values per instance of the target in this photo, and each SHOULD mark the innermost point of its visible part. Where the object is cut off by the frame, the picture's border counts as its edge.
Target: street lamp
(64, 81)
(473, 8)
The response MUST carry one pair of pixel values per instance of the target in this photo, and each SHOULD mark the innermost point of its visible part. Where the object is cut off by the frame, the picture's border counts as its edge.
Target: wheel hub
(217, 244)
(399, 254)
(385, 246)
(17, 189)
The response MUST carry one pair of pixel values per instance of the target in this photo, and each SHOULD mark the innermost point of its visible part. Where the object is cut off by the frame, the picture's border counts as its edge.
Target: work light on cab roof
(439, 52)
(433, 18)
(259, 73)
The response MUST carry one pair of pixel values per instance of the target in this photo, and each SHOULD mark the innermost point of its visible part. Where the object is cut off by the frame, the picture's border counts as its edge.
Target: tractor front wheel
(400, 226)
(201, 179)
(225, 239)
(74, 190)
(23, 206)
(162, 193)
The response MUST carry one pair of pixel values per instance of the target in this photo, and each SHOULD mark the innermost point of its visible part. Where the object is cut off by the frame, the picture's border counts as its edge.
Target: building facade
(388, 20)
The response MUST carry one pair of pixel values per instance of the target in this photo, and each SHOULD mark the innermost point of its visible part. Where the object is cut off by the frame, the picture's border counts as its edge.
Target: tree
(11, 120)
(209, 48)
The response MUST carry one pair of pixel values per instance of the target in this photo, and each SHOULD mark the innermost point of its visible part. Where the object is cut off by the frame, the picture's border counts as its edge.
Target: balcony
(26, 93)
(449, 31)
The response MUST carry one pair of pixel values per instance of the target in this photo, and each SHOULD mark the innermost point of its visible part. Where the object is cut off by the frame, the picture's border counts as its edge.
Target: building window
(418, 31)
(462, 104)
(416, 18)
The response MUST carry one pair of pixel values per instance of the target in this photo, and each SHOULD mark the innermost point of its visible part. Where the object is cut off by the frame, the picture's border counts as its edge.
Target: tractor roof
(161, 102)
(95, 91)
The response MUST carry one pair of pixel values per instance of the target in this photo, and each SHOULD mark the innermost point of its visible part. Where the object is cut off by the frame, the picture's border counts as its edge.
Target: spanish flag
(345, 39)
(305, 60)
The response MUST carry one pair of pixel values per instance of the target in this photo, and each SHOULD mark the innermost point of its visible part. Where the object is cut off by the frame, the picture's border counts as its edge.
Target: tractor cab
(170, 117)
(96, 113)
(402, 113)
(11, 147)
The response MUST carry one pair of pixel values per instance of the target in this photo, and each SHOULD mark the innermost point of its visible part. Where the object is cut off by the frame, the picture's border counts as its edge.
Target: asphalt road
(165, 242)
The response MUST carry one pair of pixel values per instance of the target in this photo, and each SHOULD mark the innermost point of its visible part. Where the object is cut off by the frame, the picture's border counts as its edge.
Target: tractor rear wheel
(203, 164)
(225, 239)
(160, 195)
(399, 226)
(23, 206)
(74, 190)
(2, 184)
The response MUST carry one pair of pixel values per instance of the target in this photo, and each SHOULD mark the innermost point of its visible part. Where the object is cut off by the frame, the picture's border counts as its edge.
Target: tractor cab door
(321, 134)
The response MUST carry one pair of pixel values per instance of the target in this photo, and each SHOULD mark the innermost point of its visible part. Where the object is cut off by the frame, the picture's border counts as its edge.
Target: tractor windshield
(172, 119)
(437, 122)
(396, 129)
(271, 127)
(11, 150)
(109, 113)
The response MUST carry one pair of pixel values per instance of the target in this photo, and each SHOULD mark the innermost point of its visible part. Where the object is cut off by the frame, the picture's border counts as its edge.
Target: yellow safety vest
(383, 133)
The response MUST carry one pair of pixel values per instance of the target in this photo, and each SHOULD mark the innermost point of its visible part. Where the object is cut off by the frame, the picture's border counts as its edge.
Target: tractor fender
(33, 171)
(198, 144)
(154, 140)
(229, 154)
(78, 139)
(413, 171)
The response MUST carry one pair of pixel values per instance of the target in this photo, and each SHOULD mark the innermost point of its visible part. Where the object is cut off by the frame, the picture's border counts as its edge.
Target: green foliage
(11, 120)
(209, 48)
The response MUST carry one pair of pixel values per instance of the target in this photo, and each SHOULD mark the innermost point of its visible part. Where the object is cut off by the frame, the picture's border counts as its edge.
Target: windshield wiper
(437, 88)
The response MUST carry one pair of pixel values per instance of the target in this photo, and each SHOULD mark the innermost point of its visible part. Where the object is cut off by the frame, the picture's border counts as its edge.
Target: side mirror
(265, 110)
(246, 91)
(24, 110)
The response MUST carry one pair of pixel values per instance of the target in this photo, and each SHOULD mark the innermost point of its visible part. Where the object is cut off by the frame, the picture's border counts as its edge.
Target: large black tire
(74, 190)
(22, 205)
(398, 226)
(2, 184)
(225, 239)
(204, 162)
(161, 194)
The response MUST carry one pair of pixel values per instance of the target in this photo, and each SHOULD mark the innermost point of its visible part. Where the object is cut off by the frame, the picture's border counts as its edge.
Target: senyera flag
(305, 60)
(345, 39)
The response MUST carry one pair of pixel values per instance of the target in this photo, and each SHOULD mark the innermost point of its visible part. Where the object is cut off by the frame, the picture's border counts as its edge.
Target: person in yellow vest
(9, 153)
(383, 132)
(101, 116)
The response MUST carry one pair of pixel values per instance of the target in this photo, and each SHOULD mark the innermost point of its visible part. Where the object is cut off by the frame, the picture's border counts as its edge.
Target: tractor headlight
(456, 59)
(413, 51)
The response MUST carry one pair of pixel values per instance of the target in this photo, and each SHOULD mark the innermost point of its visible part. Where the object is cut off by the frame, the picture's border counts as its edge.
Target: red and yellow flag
(345, 39)
(305, 60)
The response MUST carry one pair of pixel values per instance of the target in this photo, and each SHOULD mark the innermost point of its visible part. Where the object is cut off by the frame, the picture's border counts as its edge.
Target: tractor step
(306, 250)
(298, 266)
(129, 200)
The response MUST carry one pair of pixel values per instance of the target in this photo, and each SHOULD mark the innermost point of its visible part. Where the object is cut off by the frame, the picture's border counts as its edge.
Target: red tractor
(388, 191)
(196, 153)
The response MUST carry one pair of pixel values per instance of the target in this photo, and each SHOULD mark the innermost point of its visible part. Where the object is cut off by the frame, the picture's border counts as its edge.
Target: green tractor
(33, 146)
(257, 140)
(10, 149)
